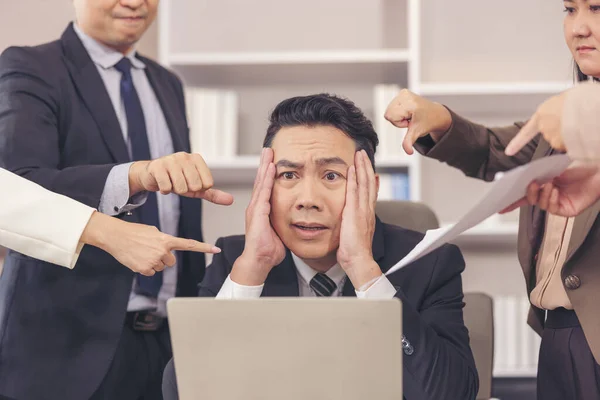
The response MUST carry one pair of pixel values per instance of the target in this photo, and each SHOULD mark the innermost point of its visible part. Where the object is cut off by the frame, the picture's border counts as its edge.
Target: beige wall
(31, 22)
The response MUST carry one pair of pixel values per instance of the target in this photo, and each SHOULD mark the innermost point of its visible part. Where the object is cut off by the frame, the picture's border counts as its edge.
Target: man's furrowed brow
(331, 160)
(288, 164)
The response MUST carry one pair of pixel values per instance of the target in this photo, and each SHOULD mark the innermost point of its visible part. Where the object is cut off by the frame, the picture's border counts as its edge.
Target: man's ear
(377, 185)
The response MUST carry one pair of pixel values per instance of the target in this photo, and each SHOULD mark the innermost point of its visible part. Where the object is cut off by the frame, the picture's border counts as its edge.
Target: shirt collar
(336, 273)
(103, 55)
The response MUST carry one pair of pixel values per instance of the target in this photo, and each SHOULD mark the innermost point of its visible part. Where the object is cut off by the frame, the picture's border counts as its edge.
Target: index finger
(525, 135)
(266, 157)
(176, 243)
(371, 179)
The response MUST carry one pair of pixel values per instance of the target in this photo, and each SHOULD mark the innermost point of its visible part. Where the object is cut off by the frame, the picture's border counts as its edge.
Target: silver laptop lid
(287, 348)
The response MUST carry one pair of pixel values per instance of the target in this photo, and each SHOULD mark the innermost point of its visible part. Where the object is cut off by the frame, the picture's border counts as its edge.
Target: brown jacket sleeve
(476, 150)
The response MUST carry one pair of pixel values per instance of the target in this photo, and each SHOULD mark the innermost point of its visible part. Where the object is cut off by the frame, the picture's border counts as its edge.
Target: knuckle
(197, 158)
(195, 186)
(207, 183)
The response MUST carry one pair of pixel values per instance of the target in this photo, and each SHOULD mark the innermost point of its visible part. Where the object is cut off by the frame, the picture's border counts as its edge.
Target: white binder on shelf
(390, 137)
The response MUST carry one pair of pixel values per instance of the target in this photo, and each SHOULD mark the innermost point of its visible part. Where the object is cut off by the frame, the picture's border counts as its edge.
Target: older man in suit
(87, 117)
(311, 230)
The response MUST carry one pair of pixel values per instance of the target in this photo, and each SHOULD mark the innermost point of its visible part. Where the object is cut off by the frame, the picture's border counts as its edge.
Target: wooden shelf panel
(280, 68)
(291, 57)
(492, 88)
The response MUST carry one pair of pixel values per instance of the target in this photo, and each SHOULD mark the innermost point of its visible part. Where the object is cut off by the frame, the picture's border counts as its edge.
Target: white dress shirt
(380, 289)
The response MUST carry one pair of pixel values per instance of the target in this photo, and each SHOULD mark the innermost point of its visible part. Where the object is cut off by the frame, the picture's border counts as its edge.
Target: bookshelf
(483, 68)
(397, 44)
(264, 67)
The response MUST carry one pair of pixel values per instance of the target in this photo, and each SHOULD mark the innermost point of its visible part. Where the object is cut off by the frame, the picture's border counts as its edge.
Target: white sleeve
(39, 223)
(382, 288)
(232, 290)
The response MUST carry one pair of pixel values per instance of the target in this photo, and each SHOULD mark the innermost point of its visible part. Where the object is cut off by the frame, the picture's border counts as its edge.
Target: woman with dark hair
(559, 255)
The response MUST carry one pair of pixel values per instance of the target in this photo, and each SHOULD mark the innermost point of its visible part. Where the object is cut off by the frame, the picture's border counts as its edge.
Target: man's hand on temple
(355, 253)
(263, 248)
(181, 173)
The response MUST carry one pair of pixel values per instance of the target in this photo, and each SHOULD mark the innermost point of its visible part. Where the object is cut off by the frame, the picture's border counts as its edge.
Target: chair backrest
(478, 311)
(407, 214)
(479, 319)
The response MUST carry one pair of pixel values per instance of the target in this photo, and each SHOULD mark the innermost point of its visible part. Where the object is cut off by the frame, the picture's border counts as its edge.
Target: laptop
(287, 348)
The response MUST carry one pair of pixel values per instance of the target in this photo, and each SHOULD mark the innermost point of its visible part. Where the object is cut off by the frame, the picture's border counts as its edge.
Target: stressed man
(311, 230)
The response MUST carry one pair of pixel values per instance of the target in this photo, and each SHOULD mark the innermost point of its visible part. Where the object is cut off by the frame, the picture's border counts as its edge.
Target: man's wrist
(363, 273)
(247, 271)
(135, 171)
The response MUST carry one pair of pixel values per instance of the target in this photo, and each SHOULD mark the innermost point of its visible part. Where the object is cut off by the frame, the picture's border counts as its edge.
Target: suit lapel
(168, 101)
(529, 215)
(282, 281)
(92, 91)
(348, 289)
(581, 227)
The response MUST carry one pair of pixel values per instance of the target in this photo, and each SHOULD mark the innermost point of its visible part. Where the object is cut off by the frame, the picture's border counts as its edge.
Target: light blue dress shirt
(116, 198)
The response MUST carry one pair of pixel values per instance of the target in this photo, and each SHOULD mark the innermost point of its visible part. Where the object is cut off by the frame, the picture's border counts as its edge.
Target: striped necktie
(322, 285)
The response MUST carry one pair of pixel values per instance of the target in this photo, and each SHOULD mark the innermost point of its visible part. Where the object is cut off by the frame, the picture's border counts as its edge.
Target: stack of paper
(509, 188)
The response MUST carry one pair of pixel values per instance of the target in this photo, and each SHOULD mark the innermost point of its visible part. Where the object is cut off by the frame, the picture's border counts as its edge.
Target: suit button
(572, 282)
(407, 347)
(129, 213)
(116, 208)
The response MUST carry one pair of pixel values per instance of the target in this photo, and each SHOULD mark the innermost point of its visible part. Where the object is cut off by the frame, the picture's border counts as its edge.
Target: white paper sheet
(507, 189)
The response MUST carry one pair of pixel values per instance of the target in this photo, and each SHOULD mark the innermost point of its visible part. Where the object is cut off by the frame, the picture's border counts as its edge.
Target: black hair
(325, 110)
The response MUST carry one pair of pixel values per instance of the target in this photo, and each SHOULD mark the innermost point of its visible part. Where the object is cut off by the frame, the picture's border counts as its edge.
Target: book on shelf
(394, 187)
(516, 345)
(390, 137)
(213, 120)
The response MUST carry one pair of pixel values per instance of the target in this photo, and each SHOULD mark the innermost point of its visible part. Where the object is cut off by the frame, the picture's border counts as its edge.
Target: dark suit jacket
(478, 151)
(59, 328)
(439, 363)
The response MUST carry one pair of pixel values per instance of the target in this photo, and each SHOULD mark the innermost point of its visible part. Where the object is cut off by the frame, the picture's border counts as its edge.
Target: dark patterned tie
(140, 150)
(322, 285)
